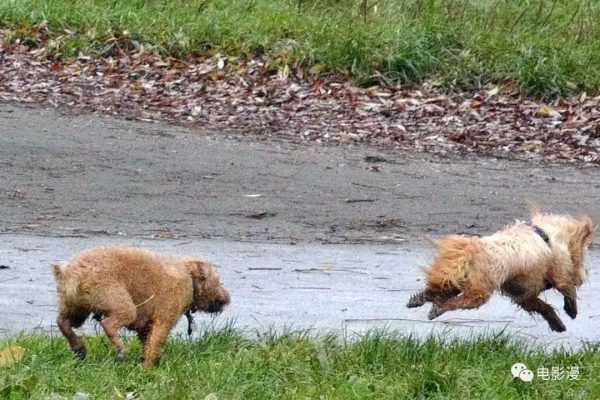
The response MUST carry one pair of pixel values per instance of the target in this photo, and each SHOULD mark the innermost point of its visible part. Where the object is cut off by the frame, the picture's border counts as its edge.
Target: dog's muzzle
(215, 306)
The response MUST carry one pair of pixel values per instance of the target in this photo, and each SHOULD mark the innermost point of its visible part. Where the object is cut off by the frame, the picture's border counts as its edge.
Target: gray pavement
(85, 175)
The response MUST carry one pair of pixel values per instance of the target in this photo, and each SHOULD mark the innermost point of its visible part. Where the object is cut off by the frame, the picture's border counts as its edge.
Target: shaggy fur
(133, 288)
(516, 261)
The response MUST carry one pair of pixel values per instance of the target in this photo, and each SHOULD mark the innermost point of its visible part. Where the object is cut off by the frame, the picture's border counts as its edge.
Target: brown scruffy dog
(134, 288)
(521, 261)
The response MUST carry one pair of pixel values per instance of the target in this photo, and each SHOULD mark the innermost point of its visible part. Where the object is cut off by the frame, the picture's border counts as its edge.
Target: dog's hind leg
(118, 310)
(468, 300)
(66, 323)
(536, 305)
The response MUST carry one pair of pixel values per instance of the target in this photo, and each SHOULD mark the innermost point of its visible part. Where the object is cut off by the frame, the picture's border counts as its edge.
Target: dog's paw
(558, 326)
(570, 308)
(121, 356)
(80, 353)
(571, 312)
(435, 312)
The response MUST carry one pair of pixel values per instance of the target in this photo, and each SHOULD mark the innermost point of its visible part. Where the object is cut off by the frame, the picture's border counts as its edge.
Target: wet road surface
(342, 289)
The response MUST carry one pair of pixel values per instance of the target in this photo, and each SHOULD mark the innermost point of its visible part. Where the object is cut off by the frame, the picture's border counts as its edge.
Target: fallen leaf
(491, 93)
(56, 67)
(317, 69)
(11, 355)
(166, 235)
(284, 72)
(547, 112)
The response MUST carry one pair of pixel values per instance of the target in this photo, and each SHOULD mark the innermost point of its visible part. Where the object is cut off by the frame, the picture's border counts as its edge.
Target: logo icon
(520, 370)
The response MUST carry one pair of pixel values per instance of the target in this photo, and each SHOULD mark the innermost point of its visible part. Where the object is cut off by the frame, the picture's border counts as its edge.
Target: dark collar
(541, 233)
(192, 309)
(194, 293)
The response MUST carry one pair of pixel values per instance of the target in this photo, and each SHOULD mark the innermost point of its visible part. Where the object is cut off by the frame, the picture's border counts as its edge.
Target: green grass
(296, 366)
(548, 47)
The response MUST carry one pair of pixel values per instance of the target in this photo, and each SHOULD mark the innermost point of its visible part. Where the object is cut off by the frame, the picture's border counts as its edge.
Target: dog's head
(209, 294)
(574, 233)
(581, 234)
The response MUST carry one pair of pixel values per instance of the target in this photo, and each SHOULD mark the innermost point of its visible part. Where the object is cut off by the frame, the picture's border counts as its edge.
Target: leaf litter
(251, 96)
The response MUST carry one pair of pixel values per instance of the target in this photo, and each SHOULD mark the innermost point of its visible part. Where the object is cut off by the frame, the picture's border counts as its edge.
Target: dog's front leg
(570, 300)
(418, 299)
(438, 298)
(158, 335)
(66, 327)
(468, 300)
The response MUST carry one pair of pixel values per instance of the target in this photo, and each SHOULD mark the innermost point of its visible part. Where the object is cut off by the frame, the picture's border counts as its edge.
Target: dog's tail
(67, 285)
(453, 262)
(56, 270)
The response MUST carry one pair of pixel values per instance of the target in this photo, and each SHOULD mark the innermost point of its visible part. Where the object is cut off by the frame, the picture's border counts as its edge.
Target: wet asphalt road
(342, 289)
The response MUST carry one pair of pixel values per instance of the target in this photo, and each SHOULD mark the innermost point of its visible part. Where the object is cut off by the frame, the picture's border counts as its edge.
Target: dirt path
(88, 176)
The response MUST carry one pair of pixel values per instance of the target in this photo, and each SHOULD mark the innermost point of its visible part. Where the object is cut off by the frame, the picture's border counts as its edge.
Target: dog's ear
(586, 230)
(581, 238)
(534, 209)
(198, 269)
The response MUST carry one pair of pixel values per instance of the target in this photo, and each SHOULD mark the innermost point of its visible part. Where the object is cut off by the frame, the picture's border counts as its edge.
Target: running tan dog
(129, 287)
(521, 261)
